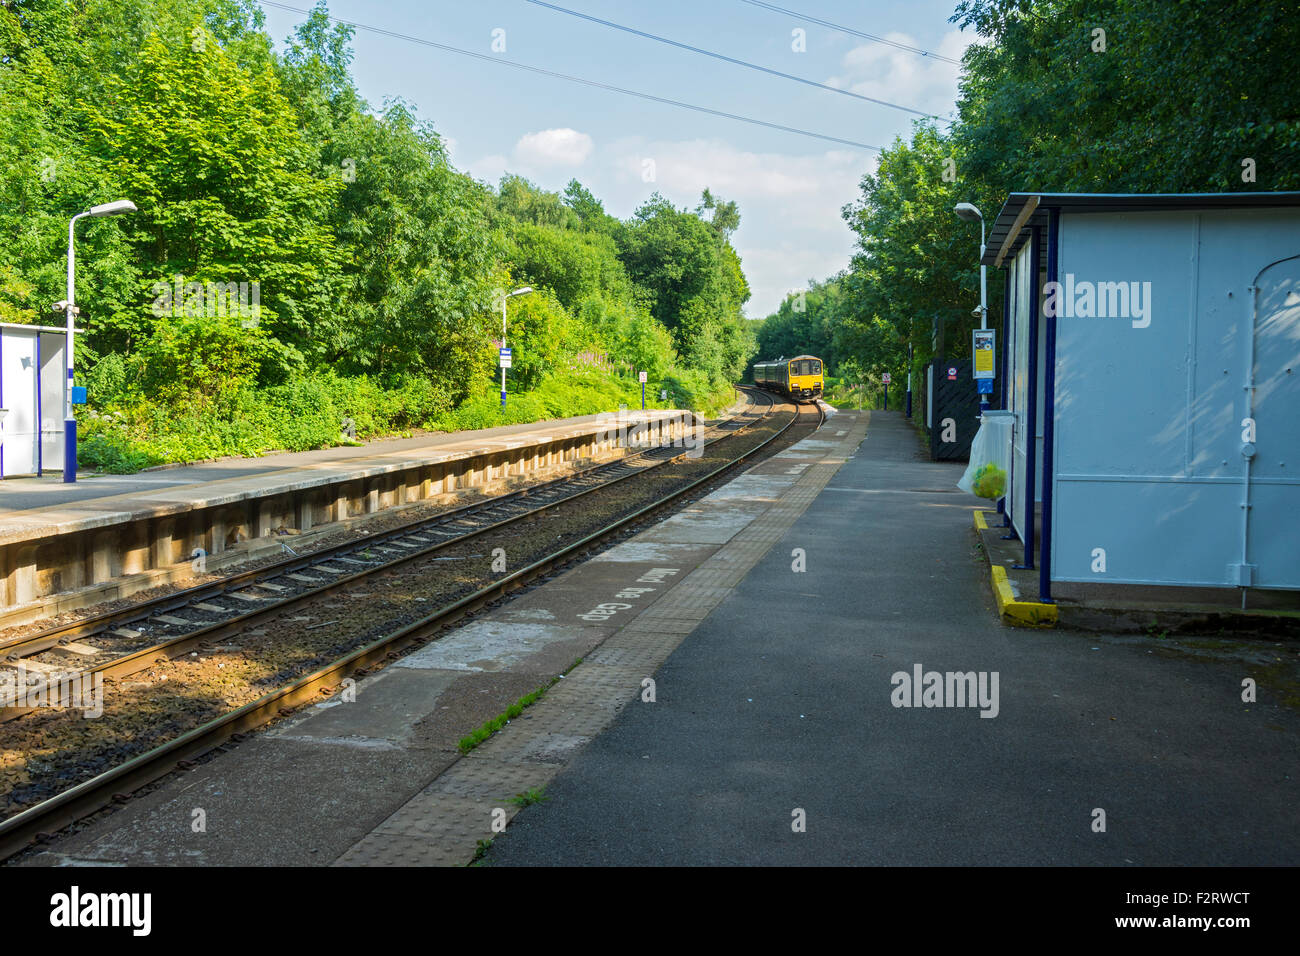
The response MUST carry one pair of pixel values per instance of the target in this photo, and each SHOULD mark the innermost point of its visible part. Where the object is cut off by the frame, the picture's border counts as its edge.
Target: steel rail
(125, 664)
(92, 625)
(114, 785)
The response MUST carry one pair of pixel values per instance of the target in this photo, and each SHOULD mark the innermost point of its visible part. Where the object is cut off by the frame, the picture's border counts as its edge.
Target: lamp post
(118, 208)
(970, 213)
(522, 291)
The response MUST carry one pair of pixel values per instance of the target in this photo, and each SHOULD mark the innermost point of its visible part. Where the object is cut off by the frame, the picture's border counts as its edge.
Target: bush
(125, 433)
(129, 433)
(103, 446)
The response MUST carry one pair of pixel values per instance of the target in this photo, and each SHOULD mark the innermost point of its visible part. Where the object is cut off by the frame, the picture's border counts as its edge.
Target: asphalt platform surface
(780, 706)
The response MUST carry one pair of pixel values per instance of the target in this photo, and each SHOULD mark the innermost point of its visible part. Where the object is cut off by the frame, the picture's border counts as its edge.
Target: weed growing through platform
(529, 797)
(480, 851)
(476, 737)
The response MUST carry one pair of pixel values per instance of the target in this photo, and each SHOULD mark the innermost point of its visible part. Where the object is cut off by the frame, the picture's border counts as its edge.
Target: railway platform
(69, 545)
(799, 724)
(749, 682)
(377, 778)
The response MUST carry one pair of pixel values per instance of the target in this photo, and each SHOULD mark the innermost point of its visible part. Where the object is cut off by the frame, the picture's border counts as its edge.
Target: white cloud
(553, 147)
(775, 272)
(489, 169)
(790, 225)
(790, 229)
(690, 166)
(908, 79)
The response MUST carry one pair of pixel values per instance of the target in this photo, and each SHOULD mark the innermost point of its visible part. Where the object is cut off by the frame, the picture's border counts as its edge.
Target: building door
(1272, 475)
(53, 395)
(956, 409)
(1018, 387)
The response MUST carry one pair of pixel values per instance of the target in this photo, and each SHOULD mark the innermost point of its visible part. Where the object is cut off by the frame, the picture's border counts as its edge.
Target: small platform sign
(982, 348)
(952, 373)
(641, 377)
(505, 358)
(886, 378)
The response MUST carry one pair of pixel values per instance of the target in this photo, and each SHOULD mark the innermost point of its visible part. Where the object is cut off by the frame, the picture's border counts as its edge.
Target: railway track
(488, 516)
(55, 661)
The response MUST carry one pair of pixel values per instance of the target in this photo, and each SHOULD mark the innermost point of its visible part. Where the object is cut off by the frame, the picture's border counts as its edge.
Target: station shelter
(33, 383)
(1151, 371)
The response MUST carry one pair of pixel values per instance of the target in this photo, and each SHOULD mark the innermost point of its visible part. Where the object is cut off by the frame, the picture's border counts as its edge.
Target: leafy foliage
(380, 267)
(1175, 97)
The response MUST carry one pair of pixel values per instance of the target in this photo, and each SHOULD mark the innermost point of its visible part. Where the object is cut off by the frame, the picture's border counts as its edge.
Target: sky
(790, 188)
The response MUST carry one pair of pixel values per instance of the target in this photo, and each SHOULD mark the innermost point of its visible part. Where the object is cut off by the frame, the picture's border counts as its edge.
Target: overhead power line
(731, 59)
(850, 31)
(496, 58)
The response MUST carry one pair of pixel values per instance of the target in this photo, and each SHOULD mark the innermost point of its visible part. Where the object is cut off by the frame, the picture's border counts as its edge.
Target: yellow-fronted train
(799, 378)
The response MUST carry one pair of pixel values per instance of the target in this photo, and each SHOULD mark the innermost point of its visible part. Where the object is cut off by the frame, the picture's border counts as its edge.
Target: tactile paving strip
(442, 825)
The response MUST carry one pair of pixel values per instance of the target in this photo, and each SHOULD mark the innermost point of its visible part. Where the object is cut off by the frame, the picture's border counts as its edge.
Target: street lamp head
(967, 212)
(118, 208)
(524, 290)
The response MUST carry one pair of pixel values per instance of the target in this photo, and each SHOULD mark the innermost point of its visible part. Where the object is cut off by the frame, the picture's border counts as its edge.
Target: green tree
(226, 186)
(419, 253)
(694, 285)
(916, 261)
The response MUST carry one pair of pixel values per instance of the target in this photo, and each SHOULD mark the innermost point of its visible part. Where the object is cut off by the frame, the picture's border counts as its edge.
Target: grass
(480, 851)
(467, 743)
(477, 736)
(134, 431)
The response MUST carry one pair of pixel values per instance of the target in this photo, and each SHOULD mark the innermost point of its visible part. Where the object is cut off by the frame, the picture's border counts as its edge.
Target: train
(800, 378)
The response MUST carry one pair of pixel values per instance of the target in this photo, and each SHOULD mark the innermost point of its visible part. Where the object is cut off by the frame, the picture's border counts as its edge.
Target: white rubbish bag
(990, 446)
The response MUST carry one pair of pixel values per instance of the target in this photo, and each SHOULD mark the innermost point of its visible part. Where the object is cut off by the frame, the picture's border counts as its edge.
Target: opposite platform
(159, 525)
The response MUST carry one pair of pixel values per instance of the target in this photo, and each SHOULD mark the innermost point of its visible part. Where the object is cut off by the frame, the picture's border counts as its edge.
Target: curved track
(123, 641)
(93, 794)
